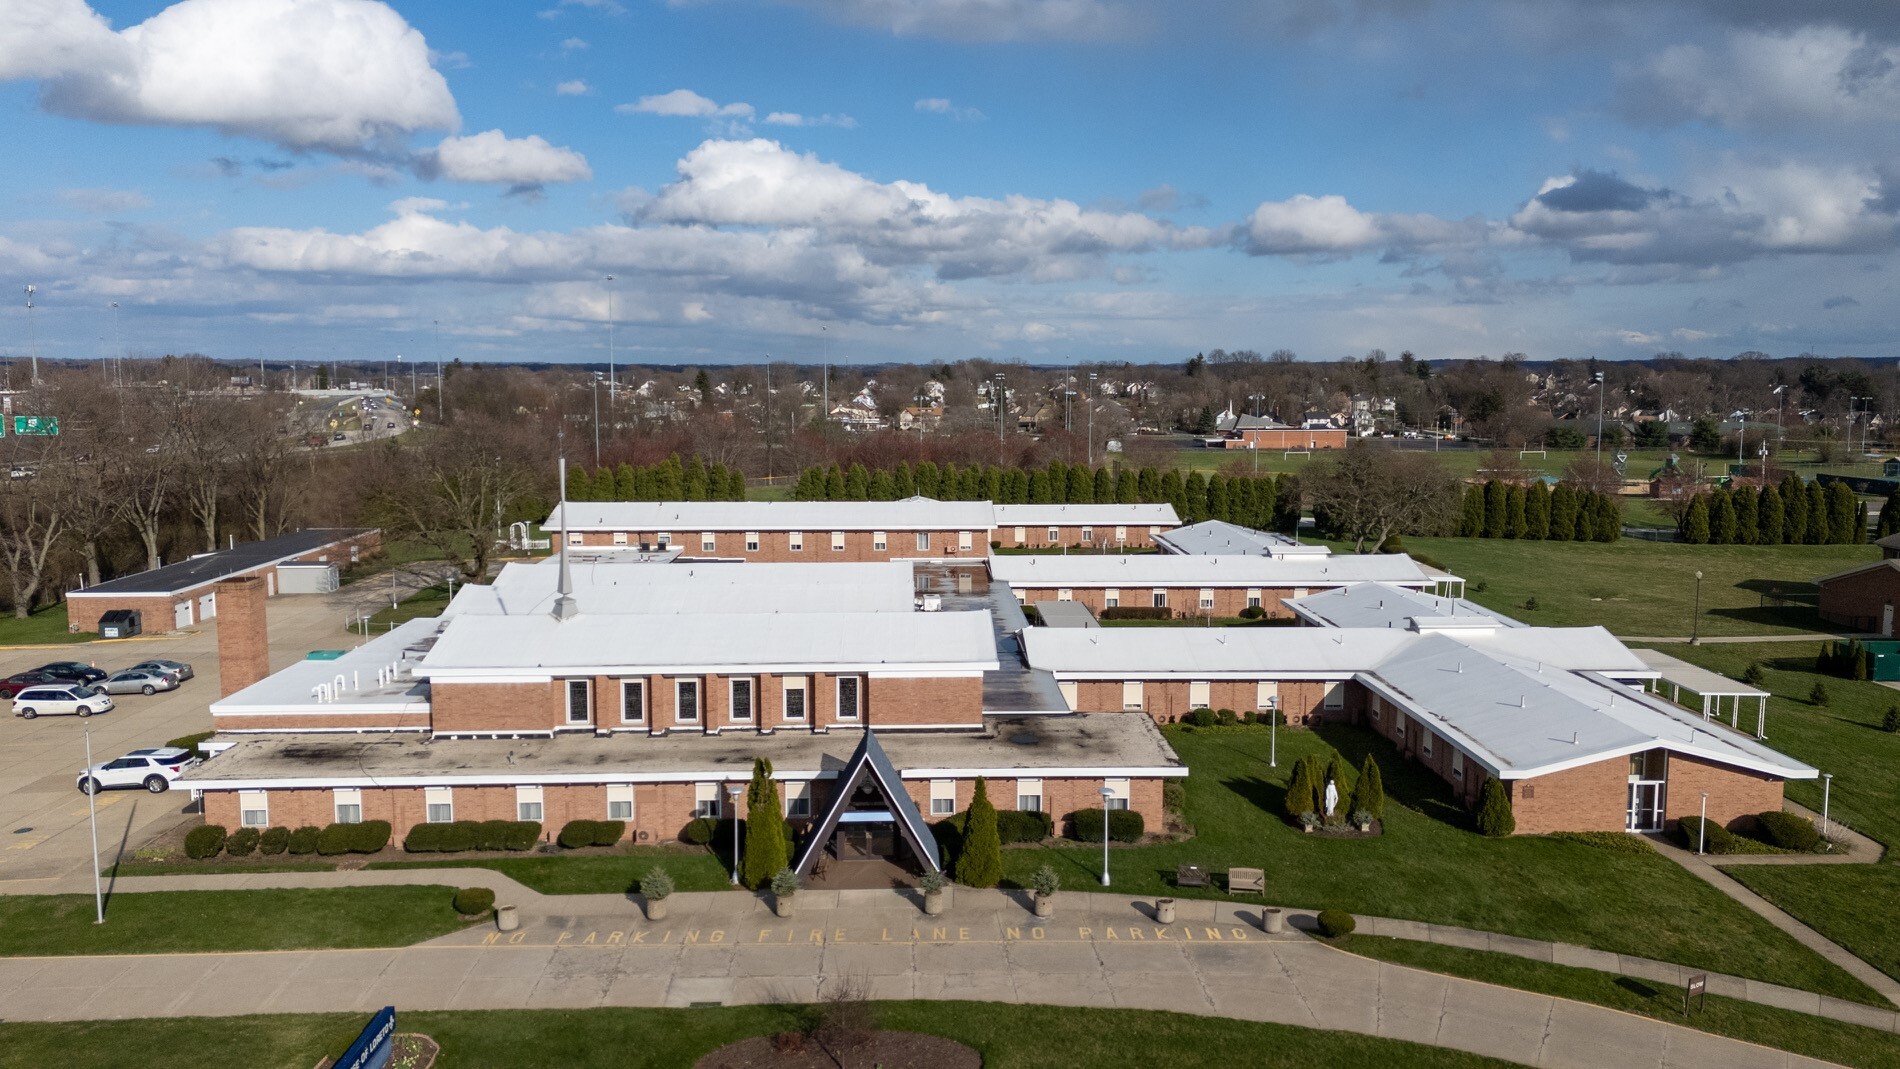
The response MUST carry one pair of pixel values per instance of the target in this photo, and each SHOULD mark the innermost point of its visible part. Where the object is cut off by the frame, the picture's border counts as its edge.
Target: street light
(92, 814)
(1273, 731)
(1091, 420)
(610, 344)
(1827, 783)
(1781, 429)
(1702, 829)
(733, 791)
(1695, 621)
(1599, 385)
(1106, 795)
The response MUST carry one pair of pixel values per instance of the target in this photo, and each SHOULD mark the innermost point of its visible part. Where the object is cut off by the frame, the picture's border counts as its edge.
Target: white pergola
(1680, 675)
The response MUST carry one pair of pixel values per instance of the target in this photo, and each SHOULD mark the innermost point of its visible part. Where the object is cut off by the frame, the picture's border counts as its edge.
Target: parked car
(153, 769)
(139, 681)
(73, 671)
(178, 670)
(339, 437)
(19, 681)
(73, 699)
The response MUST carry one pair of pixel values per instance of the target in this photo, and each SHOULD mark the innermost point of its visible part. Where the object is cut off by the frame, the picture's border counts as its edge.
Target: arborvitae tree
(1747, 516)
(1127, 486)
(1537, 511)
(765, 851)
(1497, 499)
(624, 483)
(696, 482)
(834, 484)
(981, 863)
(1301, 796)
(1471, 518)
(1516, 524)
(1695, 525)
(928, 478)
(905, 482)
(1722, 525)
(1081, 486)
(1794, 503)
(1017, 487)
(950, 481)
(1889, 516)
(1170, 490)
(1841, 514)
(1289, 506)
(1266, 500)
(669, 480)
(1563, 513)
(580, 485)
(1240, 501)
(1860, 523)
(1220, 502)
(603, 485)
(1494, 811)
(1770, 514)
(646, 484)
(1368, 795)
(1194, 494)
(1148, 485)
(970, 484)
(1038, 487)
(1609, 518)
(735, 484)
(883, 485)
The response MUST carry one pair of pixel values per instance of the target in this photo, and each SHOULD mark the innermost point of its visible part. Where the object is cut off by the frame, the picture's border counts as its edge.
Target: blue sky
(936, 179)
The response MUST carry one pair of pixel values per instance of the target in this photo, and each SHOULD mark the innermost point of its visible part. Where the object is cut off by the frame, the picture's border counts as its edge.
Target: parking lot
(43, 827)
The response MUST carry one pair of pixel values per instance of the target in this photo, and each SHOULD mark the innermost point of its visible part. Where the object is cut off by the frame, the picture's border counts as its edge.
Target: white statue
(1332, 797)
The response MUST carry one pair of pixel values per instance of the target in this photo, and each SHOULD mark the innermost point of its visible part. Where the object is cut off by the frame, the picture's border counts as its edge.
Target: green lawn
(173, 922)
(1634, 587)
(429, 601)
(1007, 1036)
(1815, 1037)
(1850, 904)
(396, 552)
(47, 627)
(691, 869)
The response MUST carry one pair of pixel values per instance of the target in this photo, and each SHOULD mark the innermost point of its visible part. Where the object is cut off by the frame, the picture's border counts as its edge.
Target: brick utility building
(185, 593)
(642, 691)
(916, 528)
(1085, 526)
(1198, 585)
(1558, 715)
(1263, 432)
(1862, 598)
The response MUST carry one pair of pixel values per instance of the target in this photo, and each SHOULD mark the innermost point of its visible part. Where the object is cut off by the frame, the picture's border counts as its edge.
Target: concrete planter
(656, 909)
(1164, 910)
(1045, 905)
(933, 903)
(782, 905)
(1273, 920)
(507, 918)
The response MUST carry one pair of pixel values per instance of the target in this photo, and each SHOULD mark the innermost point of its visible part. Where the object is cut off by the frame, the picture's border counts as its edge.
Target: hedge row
(1207, 718)
(1789, 513)
(460, 835)
(669, 480)
(1012, 826)
(1124, 825)
(208, 840)
(1137, 612)
(1499, 509)
(1775, 827)
(363, 837)
(579, 833)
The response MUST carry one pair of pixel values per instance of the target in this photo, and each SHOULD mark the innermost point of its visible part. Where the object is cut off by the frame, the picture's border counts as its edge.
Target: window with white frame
(752, 541)
(837, 541)
(1022, 535)
(1121, 534)
(1457, 764)
(797, 799)
(1065, 594)
(1253, 597)
(943, 797)
(253, 809)
(795, 691)
(1299, 592)
(795, 540)
(1153, 531)
(528, 803)
(1399, 722)
(348, 804)
(1111, 598)
(742, 699)
(1425, 740)
(686, 701)
(1376, 707)
(923, 541)
(1158, 598)
(1335, 699)
(573, 538)
(633, 701)
(1055, 535)
(879, 541)
(1029, 795)
(1132, 697)
(1117, 793)
(1088, 534)
(708, 541)
(620, 538)
(1266, 694)
(620, 801)
(1200, 695)
(438, 804)
(1207, 597)
(579, 703)
(964, 541)
(850, 697)
(662, 539)
(706, 800)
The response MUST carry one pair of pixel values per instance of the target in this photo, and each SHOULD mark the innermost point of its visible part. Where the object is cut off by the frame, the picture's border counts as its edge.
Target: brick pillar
(243, 634)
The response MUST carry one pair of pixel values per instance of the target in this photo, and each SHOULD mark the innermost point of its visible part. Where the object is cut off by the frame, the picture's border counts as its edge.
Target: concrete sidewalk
(729, 948)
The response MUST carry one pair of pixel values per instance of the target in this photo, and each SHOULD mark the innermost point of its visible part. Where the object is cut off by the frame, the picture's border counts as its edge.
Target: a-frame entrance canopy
(869, 766)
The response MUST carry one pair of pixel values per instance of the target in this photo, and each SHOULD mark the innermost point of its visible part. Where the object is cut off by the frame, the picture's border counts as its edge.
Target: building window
(1425, 741)
(1207, 598)
(1335, 699)
(1253, 597)
(528, 804)
(1055, 535)
(706, 800)
(1131, 695)
(686, 709)
(923, 541)
(1377, 708)
(1029, 795)
(797, 799)
(1065, 594)
(964, 541)
(708, 541)
(662, 539)
(349, 805)
(1457, 764)
(253, 809)
(1088, 534)
(752, 541)
(1266, 695)
(1200, 696)
(794, 697)
(850, 697)
(1399, 722)
(633, 701)
(620, 801)
(573, 538)
(1117, 793)
(578, 704)
(1158, 599)
(620, 538)
(1121, 534)
(1022, 535)
(1299, 592)
(837, 541)
(943, 797)
(1111, 598)
(742, 700)
(1153, 532)
(438, 804)
(796, 540)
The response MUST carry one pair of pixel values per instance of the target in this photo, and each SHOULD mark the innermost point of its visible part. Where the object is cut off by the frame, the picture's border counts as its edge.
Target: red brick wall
(481, 707)
(1293, 438)
(1735, 795)
(1135, 536)
(1859, 601)
(1185, 601)
(1302, 701)
(775, 546)
(155, 612)
(1592, 797)
(243, 634)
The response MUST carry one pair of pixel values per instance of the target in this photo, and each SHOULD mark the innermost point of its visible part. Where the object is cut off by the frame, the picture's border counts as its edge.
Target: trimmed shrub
(492, 834)
(981, 862)
(1226, 718)
(699, 831)
(274, 841)
(1136, 612)
(656, 884)
(336, 839)
(1201, 718)
(1891, 721)
(766, 851)
(1023, 826)
(1818, 695)
(304, 840)
(1124, 825)
(1494, 811)
(1788, 831)
(443, 838)
(474, 901)
(1714, 838)
(1334, 923)
(1252, 612)
(204, 841)
(1368, 795)
(578, 833)
(368, 836)
(520, 835)
(1174, 796)
(243, 842)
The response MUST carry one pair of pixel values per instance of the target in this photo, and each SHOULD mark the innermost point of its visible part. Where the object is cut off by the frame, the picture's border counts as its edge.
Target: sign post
(43, 425)
(373, 1048)
(1698, 989)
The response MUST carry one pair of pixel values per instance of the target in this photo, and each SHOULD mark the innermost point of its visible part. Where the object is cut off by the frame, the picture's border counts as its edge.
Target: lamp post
(1106, 795)
(1068, 426)
(1599, 384)
(1273, 731)
(92, 815)
(1827, 784)
(1695, 621)
(733, 791)
(1781, 429)
(1702, 829)
(997, 398)
(1091, 453)
(597, 422)
(610, 344)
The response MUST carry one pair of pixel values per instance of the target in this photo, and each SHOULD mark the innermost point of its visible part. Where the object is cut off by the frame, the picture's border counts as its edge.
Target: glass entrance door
(1645, 806)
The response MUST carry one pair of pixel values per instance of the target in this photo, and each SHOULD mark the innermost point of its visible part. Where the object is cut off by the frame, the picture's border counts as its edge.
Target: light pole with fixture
(1827, 784)
(1695, 621)
(611, 394)
(1781, 428)
(733, 790)
(1702, 829)
(92, 815)
(1091, 453)
(32, 338)
(1106, 796)
(1599, 385)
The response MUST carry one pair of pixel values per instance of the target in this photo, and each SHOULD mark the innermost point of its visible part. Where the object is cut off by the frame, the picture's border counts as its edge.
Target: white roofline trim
(877, 669)
(520, 778)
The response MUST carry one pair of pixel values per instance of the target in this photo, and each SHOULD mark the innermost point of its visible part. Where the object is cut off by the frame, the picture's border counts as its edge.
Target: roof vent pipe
(564, 607)
(336, 685)
(356, 679)
(1576, 739)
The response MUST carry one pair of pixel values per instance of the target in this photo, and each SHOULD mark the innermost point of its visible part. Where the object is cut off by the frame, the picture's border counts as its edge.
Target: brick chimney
(243, 634)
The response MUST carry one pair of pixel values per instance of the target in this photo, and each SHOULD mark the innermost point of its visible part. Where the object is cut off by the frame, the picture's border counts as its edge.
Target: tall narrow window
(1253, 597)
(837, 541)
(796, 541)
(1131, 695)
(1065, 594)
(794, 697)
(797, 799)
(633, 701)
(964, 541)
(850, 697)
(708, 541)
(1088, 534)
(752, 541)
(742, 700)
(1335, 697)
(662, 539)
(1055, 535)
(253, 809)
(620, 801)
(528, 803)
(1121, 534)
(923, 541)
(1457, 764)
(1111, 598)
(1022, 535)
(620, 538)
(943, 797)
(1160, 598)
(439, 804)
(686, 708)
(579, 708)
(573, 538)
(1266, 695)
(349, 805)
(1207, 598)
(1425, 740)
(1200, 696)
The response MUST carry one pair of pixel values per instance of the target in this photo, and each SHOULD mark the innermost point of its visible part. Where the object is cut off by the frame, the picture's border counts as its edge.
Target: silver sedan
(138, 681)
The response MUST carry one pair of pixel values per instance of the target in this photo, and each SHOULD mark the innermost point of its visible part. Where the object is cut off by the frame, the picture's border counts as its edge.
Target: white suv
(61, 698)
(152, 769)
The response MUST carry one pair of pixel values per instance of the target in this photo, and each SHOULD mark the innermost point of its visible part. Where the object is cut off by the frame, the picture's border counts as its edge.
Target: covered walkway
(1679, 675)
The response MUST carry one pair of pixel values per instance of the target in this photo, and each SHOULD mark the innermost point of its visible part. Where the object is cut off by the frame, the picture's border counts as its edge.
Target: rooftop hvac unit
(930, 602)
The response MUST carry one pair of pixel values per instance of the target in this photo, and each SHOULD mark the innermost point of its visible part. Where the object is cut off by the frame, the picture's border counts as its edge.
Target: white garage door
(181, 614)
(207, 607)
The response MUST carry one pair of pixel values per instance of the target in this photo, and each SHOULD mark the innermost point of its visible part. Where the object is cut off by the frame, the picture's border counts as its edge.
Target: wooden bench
(1254, 880)
(1190, 876)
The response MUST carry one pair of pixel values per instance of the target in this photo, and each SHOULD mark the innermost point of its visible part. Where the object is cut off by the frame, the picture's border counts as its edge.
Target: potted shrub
(932, 884)
(1309, 822)
(1046, 882)
(655, 886)
(1362, 820)
(784, 887)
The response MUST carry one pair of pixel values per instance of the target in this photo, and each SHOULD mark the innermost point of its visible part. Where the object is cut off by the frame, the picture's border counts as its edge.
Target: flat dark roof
(211, 567)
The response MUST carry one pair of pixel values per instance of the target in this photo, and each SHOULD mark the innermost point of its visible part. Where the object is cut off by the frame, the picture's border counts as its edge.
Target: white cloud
(684, 103)
(604, 7)
(1813, 74)
(492, 156)
(574, 44)
(574, 88)
(792, 118)
(992, 20)
(1328, 226)
(105, 201)
(695, 312)
(942, 106)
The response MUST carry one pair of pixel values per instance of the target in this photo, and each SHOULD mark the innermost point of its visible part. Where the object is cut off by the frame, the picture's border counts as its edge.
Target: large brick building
(1862, 598)
(917, 528)
(1200, 584)
(1111, 526)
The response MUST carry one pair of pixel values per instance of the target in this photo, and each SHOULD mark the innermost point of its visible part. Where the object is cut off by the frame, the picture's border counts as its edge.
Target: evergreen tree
(1794, 503)
(1841, 513)
(1240, 508)
(1516, 524)
(1770, 514)
(928, 478)
(623, 483)
(1148, 486)
(993, 480)
(950, 481)
(1497, 498)
(1194, 496)
(1747, 516)
(1537, 511)
(1300, 794)
(1169, 489)
(765, 851)
(1889, 516)
(1266, 500)
(1038, 486)
(1609, 518)
(1081, 486)
(1860, 523)
(1695, 525)
(735, 484)
(1369, 795)
(834, 484)
(1220, 503)
(1289, 506)
(603, 489)
(981, 862)
(1016, 485)
(1494, 811)
(1471, 519)
(883, 485)
(645, 484)
(1563, 513)
(1722, 525)
(970, 484)
(1058, 482)
(580, 486)
(698, 486)
(1820, 524)
(1127, 486)
(668, 480)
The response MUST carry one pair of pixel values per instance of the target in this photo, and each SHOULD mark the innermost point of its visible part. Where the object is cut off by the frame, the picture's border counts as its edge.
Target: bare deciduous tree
(1367, 494)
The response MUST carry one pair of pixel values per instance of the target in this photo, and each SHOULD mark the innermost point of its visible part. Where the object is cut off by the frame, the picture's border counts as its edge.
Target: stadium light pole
(32, 338)
(611, 393)
(1599, 385)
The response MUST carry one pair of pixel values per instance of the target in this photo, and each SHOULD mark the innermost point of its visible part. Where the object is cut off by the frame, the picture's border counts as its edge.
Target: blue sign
(373, 1048)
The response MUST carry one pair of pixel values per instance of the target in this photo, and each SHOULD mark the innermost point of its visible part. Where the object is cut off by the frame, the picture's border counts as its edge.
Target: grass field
(47, 627)
(1850, 904)
(692, 869)
(1007, 1036)
(1816, 1037)
(429, 601)
(1468, 462)
(175, 922)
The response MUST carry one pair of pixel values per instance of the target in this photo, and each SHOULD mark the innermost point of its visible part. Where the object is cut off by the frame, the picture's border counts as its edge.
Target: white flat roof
(292, 689)
(1695, 678)
(683, 517)
(1146, 515)
(1218, 537)
(1384, 605)
(1137, 570)
(609, 587)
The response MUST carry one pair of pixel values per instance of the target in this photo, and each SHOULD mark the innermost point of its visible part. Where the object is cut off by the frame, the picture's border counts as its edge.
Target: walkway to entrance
(875, 874)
